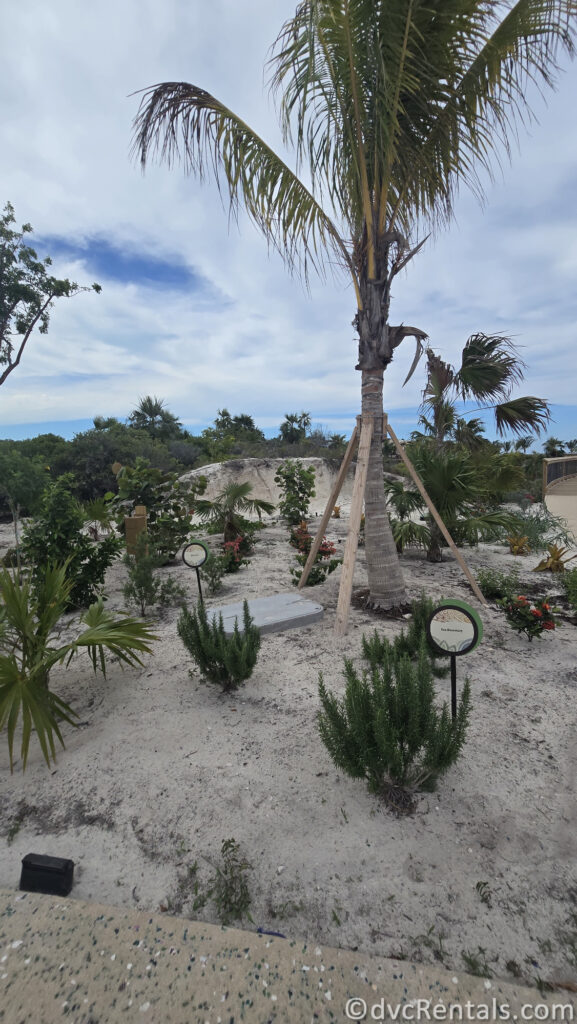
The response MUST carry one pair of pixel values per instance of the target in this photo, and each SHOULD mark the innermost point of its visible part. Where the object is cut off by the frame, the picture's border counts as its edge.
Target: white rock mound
(261, 473)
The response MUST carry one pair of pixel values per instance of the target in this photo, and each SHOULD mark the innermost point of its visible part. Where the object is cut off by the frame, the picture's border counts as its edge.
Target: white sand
(164, 768)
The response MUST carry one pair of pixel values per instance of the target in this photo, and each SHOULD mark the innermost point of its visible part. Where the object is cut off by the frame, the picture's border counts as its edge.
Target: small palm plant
(228, 510)
(29, 615)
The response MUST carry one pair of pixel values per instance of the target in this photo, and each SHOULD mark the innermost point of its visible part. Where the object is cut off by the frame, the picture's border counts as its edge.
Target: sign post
(195, 555)
(454, 628)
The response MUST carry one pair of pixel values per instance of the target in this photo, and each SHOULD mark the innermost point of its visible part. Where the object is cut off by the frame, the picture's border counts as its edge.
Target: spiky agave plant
(29, 650)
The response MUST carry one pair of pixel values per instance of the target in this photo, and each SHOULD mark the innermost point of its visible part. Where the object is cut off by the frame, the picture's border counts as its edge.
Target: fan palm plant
(228, 509)
(391, 105)
(29, 649)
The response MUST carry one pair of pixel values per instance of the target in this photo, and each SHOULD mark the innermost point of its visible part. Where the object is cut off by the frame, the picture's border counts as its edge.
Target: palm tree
(225, 512)
(553, 448)
(31, 645)
(152, 416)
(294, 427)
(490, 368)
(459, 468)
(392, 104)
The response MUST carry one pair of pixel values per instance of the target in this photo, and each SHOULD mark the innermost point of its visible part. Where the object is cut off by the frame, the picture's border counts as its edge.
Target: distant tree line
(152, 432)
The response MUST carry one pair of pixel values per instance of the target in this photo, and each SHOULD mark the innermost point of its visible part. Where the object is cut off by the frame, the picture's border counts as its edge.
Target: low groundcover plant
(527, 617)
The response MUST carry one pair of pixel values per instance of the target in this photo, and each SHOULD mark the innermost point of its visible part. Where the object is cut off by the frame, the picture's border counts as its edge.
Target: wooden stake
(351, 545)
(434, 512)
(329, 508)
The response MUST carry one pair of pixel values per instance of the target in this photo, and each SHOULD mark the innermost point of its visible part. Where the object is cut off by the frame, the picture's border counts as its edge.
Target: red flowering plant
(233, 555)
(530, 618)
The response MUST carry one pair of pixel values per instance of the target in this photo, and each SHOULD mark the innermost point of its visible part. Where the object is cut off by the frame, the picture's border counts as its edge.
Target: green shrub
(320, 569)
(225, 660)
(569, 582)
(168, 502)
(213, 571)
(541, 528)
(495, 583)
(323, 565)
(10, 559)
(297, 488)
(376, 648)
(228, 887)
(388, 730)
(145, 589)
(56, 536)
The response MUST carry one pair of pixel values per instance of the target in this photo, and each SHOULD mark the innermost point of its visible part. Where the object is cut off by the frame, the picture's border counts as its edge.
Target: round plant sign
(195, 554)
(454, 628)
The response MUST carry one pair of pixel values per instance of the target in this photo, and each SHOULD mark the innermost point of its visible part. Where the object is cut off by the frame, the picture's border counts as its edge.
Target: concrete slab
(271, 614)
(85, 963)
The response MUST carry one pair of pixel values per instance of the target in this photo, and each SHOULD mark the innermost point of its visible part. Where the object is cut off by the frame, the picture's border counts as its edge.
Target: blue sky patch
(107, 261)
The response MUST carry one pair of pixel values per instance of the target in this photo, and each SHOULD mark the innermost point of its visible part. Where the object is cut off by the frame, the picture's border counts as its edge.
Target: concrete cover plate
(271, 614)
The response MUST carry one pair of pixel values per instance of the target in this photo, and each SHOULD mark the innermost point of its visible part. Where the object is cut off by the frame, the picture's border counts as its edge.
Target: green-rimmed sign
(454, 628)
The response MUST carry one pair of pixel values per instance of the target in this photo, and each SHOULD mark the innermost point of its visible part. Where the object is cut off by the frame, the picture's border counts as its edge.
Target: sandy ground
(164, 767)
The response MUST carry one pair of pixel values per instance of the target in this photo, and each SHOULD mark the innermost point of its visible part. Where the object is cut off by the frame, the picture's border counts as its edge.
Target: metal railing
(557, 470)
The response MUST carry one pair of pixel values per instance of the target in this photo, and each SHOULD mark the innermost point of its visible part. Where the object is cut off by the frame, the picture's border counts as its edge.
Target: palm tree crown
(391, 105)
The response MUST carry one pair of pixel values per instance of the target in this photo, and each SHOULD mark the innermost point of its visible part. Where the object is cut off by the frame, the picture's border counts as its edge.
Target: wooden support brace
(346, 587)
(329, 508)
(433, 511)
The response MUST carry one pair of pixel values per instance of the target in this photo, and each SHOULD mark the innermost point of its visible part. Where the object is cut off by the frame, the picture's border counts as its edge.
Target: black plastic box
(51, 875)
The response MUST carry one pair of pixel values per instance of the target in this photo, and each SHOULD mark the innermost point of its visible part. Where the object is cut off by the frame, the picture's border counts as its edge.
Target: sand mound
(261, 473)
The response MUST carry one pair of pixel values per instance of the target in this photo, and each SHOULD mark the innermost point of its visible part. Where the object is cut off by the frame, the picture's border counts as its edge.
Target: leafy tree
(44, 447)
(490, 368)
(297, 485)
(522, 444)
(293, 429)
(56, 535)
(30, 646)
(91, 454)
(22, 482)
(27, 292)
(460, 493)
(152, 416)
(392, 105)
(168, 502)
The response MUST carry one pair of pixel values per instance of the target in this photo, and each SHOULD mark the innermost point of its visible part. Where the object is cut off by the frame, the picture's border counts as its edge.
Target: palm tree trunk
(386, 584)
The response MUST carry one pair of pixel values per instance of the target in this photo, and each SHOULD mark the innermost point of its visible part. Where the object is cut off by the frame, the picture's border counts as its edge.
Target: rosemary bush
(388, 730)
(225, 660)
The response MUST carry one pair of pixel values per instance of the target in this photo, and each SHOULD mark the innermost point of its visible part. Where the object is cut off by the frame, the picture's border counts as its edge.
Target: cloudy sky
(197, 311)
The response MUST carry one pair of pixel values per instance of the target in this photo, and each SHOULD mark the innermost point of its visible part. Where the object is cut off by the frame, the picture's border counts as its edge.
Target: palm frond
(122, 637)
(407, 533)
(490, 367)
(26, 695)
(495, 56)
(179, 122)
(518, 414)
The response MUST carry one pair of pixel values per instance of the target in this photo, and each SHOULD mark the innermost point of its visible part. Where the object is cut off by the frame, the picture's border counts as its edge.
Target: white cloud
(258, 342)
